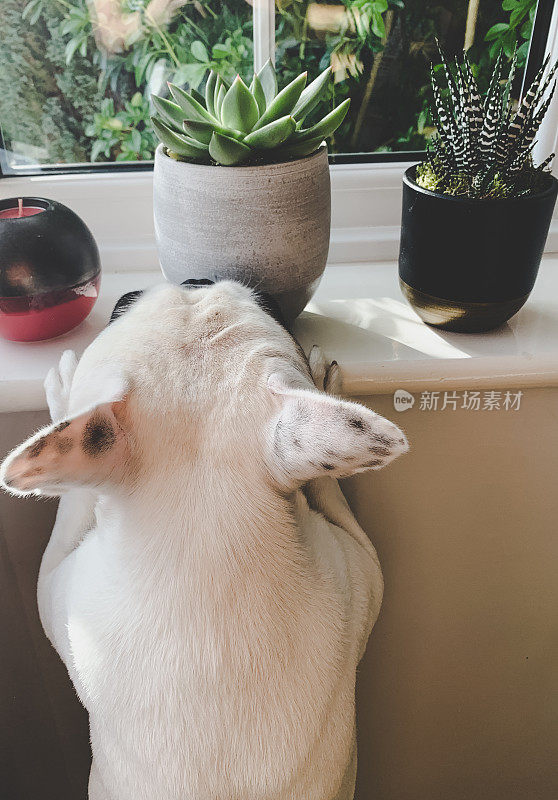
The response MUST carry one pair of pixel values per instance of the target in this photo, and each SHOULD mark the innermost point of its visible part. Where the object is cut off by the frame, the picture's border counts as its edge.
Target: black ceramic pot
(49, 269)
(469, 265)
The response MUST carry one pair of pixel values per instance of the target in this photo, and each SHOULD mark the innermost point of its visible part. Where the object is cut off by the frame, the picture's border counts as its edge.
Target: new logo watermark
(468, 400)
(402, 400)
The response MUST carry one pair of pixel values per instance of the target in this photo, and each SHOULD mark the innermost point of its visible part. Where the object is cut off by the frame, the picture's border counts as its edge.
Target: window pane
(381, 51)
(76, 75)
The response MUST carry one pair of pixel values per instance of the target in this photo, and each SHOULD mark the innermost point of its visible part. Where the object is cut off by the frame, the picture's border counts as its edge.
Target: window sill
(360, 319)
(118, 208)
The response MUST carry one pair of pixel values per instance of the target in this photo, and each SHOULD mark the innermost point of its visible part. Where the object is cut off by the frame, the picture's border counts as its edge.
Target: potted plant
(241, 187)
(476, 213)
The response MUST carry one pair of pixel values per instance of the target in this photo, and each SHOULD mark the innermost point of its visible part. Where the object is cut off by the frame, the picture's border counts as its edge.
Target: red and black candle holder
(50, 270)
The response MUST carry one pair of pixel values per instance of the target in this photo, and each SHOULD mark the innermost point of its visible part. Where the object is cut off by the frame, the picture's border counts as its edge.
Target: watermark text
(467, 400)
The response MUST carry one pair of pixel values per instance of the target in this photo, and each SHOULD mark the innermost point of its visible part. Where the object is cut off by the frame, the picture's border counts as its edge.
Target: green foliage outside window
(69, 98)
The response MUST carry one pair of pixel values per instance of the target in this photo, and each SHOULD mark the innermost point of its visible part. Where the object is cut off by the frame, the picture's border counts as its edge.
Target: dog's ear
(316, 434)
(88, 449)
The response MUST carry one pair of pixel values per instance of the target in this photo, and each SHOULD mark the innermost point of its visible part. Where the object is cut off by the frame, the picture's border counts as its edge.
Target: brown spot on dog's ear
(384, 440)
(358, 424)
(63, 444)
(380, 451)
(327, 466)
(36, 449)
(32, 473)
(98, 436)
(61, 426)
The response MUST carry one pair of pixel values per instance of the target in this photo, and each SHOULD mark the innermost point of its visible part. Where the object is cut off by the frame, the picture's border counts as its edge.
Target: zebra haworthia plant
(236, 124)
(484, 146)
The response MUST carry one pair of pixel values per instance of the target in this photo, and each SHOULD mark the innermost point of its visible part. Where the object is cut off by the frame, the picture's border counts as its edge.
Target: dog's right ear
(316, 434)
(89, 449)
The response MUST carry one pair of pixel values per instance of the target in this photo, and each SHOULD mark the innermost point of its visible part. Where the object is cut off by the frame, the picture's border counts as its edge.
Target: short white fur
(206, 584)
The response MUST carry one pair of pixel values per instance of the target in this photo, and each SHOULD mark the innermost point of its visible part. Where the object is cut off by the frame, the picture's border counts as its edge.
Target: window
(381, 51)
(76, 75)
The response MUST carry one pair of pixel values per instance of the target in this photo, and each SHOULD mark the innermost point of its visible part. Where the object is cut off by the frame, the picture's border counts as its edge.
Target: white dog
(211, 614)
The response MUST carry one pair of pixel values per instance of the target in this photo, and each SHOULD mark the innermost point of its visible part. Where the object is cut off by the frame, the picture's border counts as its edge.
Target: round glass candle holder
(50, 270)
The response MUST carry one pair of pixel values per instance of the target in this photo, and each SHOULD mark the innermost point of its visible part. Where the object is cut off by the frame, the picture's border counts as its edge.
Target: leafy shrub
(122, 135)
(44, 102)
(380, 51)
(504, 36)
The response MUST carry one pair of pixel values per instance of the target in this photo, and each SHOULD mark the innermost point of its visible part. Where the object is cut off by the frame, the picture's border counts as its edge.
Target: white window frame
(263, 32)
(366, 197)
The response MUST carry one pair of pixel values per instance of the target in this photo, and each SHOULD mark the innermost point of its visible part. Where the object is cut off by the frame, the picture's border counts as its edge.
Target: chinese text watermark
(467, 400)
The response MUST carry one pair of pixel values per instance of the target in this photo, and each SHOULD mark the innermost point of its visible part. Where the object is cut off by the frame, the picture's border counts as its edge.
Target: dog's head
(198, 378)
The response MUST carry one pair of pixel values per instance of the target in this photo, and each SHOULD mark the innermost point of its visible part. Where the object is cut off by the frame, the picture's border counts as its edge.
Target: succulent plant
(236, 124)
(484, 146)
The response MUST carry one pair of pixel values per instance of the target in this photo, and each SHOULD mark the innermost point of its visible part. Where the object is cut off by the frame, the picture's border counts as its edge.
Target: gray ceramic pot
(266, 226)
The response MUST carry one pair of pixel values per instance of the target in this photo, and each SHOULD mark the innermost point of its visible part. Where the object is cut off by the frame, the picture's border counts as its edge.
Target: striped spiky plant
(236, 124)
(483, 146)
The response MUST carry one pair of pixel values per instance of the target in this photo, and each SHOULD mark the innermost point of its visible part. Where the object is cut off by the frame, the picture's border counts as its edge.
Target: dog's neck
(233, 584)
(209, 527)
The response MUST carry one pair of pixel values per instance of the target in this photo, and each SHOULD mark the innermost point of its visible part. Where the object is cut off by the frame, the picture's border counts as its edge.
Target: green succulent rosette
(238, 124)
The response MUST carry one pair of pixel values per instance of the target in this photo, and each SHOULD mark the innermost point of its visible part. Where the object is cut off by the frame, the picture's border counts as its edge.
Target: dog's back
(246, 690)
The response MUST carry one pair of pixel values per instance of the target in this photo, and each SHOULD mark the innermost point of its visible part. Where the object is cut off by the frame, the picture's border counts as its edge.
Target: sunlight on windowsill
(391, 319)
(360, 319)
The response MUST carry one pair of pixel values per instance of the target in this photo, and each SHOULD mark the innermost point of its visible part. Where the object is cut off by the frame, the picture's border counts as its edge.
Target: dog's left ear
(89, 449)
(316, 434)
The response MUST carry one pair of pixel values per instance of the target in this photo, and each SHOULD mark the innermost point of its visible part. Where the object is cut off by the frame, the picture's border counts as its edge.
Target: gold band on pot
(458, 315)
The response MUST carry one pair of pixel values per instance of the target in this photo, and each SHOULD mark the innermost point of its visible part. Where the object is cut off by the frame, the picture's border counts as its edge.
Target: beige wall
(457, 695)
(44, 743)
